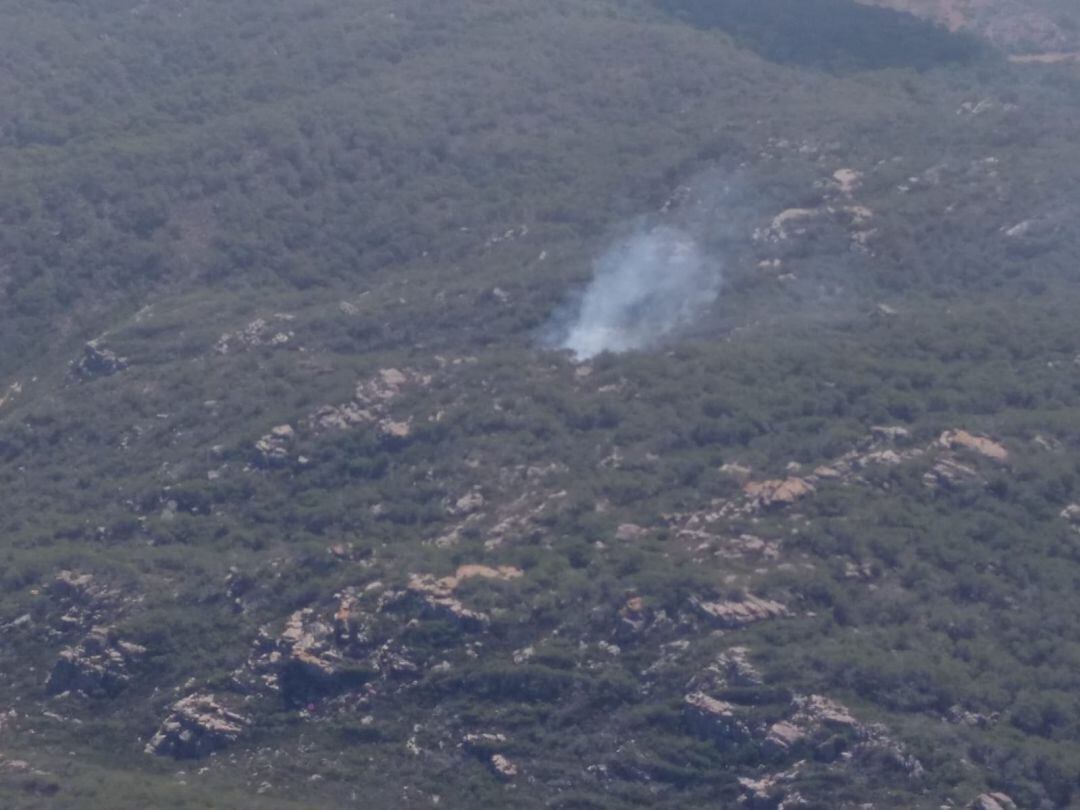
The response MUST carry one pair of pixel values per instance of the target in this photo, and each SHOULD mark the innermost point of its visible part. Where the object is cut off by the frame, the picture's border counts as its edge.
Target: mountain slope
(317, 516)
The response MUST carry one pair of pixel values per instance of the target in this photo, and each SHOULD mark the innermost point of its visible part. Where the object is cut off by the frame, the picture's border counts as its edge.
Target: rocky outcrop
(75, 586)
(960, 716)
(731, 668)
(468, 504)
(993, 801)
(628, 532)
(309, 662)
(634, 616)
(485, 747)
(714, 719)
(961, 439)
(316, 655)
(438, 594)
(948, 473)
(778, 493)
(812, 724)
(738, 613)
(97, 361)
(503, 767)
(770, 792)
(196, 726)
(783, 736)
(273, 448)
(371, 403)
(817, 711)
(1071, 513)
(99, 666)
(84, 599)
(737, 669)
(260, 332)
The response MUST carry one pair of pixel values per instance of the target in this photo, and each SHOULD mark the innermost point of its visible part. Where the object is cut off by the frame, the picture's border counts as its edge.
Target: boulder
(392, 429)
(467, 504)
(630, 531)
(503, 767)
(993, 801)
(783, 736)
(97, 361)
(633, 617)
(484, 746)
(197, 725)
(961, 439)
(777, 493)
(273, 448)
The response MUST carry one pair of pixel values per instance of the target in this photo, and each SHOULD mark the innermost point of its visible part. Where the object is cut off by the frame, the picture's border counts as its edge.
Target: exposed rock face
(948, 473)
(993, 801)
(816, 711)
(308, 658)
(957, 439)
(99, 666)
(438, 594)
(97, 361)
(715, 719)
(196, 726)
(783, 736)
(778, 493)
(737, 669)
(319, 655)
(739, 613)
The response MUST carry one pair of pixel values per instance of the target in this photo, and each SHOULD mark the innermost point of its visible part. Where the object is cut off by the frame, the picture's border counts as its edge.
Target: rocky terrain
(304, 504)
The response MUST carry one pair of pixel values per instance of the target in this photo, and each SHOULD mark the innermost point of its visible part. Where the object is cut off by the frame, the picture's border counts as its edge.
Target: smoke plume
(644, 288)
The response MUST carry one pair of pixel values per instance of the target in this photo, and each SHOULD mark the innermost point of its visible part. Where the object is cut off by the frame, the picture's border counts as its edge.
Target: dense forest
(302, 505)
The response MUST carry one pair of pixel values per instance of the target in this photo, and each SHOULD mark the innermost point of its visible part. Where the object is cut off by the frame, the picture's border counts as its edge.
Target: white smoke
(645, 287)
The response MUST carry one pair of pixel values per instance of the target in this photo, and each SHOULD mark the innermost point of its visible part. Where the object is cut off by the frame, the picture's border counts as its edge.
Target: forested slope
(302, 507)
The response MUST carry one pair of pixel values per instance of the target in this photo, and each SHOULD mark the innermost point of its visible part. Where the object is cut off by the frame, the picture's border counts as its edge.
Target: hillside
(356, 452)
(1043, 30)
